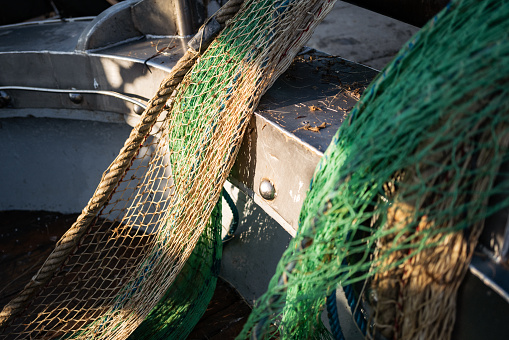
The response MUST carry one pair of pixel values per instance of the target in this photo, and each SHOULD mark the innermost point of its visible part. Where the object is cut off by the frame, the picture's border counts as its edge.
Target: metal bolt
(267, 190)
(76, 98)
(5, 99)
(137, 109)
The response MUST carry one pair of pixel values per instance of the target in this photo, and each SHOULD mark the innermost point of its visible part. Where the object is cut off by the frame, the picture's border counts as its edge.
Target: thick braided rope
(111, 177)
(226, 12)
(107, 185)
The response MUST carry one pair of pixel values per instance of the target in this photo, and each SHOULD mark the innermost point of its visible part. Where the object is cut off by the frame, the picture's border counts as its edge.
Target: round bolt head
(5, 99)
(76, 98)
(137, 109)
(267, 190)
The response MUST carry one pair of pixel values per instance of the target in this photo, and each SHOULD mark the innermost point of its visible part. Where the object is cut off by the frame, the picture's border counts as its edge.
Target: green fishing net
(400, 196)
(184, 303)
(146, 230)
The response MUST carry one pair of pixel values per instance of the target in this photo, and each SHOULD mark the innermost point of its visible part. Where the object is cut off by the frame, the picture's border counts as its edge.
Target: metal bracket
(132, 19)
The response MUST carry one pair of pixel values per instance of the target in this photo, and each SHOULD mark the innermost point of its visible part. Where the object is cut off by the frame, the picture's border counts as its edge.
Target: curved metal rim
(77, 91)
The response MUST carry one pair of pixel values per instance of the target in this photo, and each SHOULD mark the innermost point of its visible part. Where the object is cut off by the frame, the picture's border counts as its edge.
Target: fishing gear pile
(113, 266)
(399, 199)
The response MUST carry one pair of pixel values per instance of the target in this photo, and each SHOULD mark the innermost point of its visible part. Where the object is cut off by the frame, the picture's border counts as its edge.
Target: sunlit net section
(398, 200)
(138, 243)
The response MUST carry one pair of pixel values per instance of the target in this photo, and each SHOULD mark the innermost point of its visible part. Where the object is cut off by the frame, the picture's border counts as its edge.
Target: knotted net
(400, 196)
(126, 249)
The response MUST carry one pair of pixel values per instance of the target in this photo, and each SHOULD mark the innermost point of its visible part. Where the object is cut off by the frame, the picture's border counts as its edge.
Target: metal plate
(317, 90)
(50, 36)
(280, 144)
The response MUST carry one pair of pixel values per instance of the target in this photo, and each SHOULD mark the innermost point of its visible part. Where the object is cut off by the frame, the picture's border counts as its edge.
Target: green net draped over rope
(401, 194)
(153, 204)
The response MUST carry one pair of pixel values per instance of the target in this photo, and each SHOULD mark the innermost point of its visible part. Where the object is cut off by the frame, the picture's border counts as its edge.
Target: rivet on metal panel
(76, 98)
(5, 99)
(267, 190)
